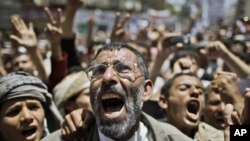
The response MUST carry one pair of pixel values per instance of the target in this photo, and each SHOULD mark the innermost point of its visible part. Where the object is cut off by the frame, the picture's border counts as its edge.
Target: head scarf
(71, 86)
(23, 85)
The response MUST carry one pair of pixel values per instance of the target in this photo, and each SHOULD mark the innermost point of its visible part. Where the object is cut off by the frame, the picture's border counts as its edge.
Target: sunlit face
(117, 101)
(185, 102)
(213, 112)
(23, 63)
(22, 120)
(186, 64)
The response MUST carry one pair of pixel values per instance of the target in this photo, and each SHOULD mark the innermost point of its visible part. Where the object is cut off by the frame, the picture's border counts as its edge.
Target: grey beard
(123, 129)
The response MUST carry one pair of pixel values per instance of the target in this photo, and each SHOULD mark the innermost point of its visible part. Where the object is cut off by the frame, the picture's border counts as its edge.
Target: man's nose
(194, 92)
(110, 76)
(185, 64)
(221, 106)
(26, 115)
(20, 66)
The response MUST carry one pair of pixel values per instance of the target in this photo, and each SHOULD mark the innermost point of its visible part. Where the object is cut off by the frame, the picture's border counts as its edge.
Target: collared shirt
(139, 135)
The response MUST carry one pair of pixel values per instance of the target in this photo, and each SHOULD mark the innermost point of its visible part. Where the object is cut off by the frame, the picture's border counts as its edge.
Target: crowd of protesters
(165, 85)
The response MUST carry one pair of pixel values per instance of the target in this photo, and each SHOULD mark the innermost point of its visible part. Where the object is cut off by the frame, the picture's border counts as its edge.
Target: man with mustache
(214, 109)
(119, 86)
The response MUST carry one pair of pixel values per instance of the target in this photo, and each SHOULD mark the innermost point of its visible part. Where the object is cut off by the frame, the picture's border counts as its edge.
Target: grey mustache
(111, 89)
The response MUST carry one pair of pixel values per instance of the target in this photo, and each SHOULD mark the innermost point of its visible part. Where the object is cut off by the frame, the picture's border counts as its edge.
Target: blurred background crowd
(199, 20)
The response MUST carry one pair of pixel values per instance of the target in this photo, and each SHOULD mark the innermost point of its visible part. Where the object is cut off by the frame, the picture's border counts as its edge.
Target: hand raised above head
(53, 28)
(226, 83)
(215, 49)
(25, 34)
(75, 4)
(165, 47)
(119, 32)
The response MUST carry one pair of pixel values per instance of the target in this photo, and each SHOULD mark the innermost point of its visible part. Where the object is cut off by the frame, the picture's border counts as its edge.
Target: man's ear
(148, 86)
(163, 102)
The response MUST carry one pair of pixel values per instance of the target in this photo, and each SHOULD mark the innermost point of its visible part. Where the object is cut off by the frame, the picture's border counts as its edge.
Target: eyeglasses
(123, 69)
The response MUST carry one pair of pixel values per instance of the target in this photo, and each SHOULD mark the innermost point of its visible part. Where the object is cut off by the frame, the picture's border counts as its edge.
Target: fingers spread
(59, 16)
(49, 15)
(15, 39)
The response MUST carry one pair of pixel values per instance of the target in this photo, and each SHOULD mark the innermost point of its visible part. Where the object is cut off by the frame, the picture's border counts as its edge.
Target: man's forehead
(122, 54)
(187, 57)
(186, 79)
(213, 96)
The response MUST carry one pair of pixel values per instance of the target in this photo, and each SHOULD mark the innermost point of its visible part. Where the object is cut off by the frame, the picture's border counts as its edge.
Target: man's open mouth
(29, 132)
(112, 105)
(220, 120)
(193, 107)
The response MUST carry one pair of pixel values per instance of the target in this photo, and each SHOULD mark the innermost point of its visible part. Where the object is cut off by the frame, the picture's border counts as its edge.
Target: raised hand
(183, 65)
(26, 36)
(226, 84)
(75, 4)
(71, 8)
(91, 24)
(143, 33)
(76, 125)
(119, 33)
(165, 47)
(231, 117)
(54, 31)
(215, 49)
(164, 50)
(53, 28)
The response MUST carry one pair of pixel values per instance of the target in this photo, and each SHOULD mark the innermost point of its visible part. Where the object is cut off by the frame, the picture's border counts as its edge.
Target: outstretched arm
(68, 37)
(164, 50)
(218, 49)
(71, 9)
(54, 32)
(28, 39)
